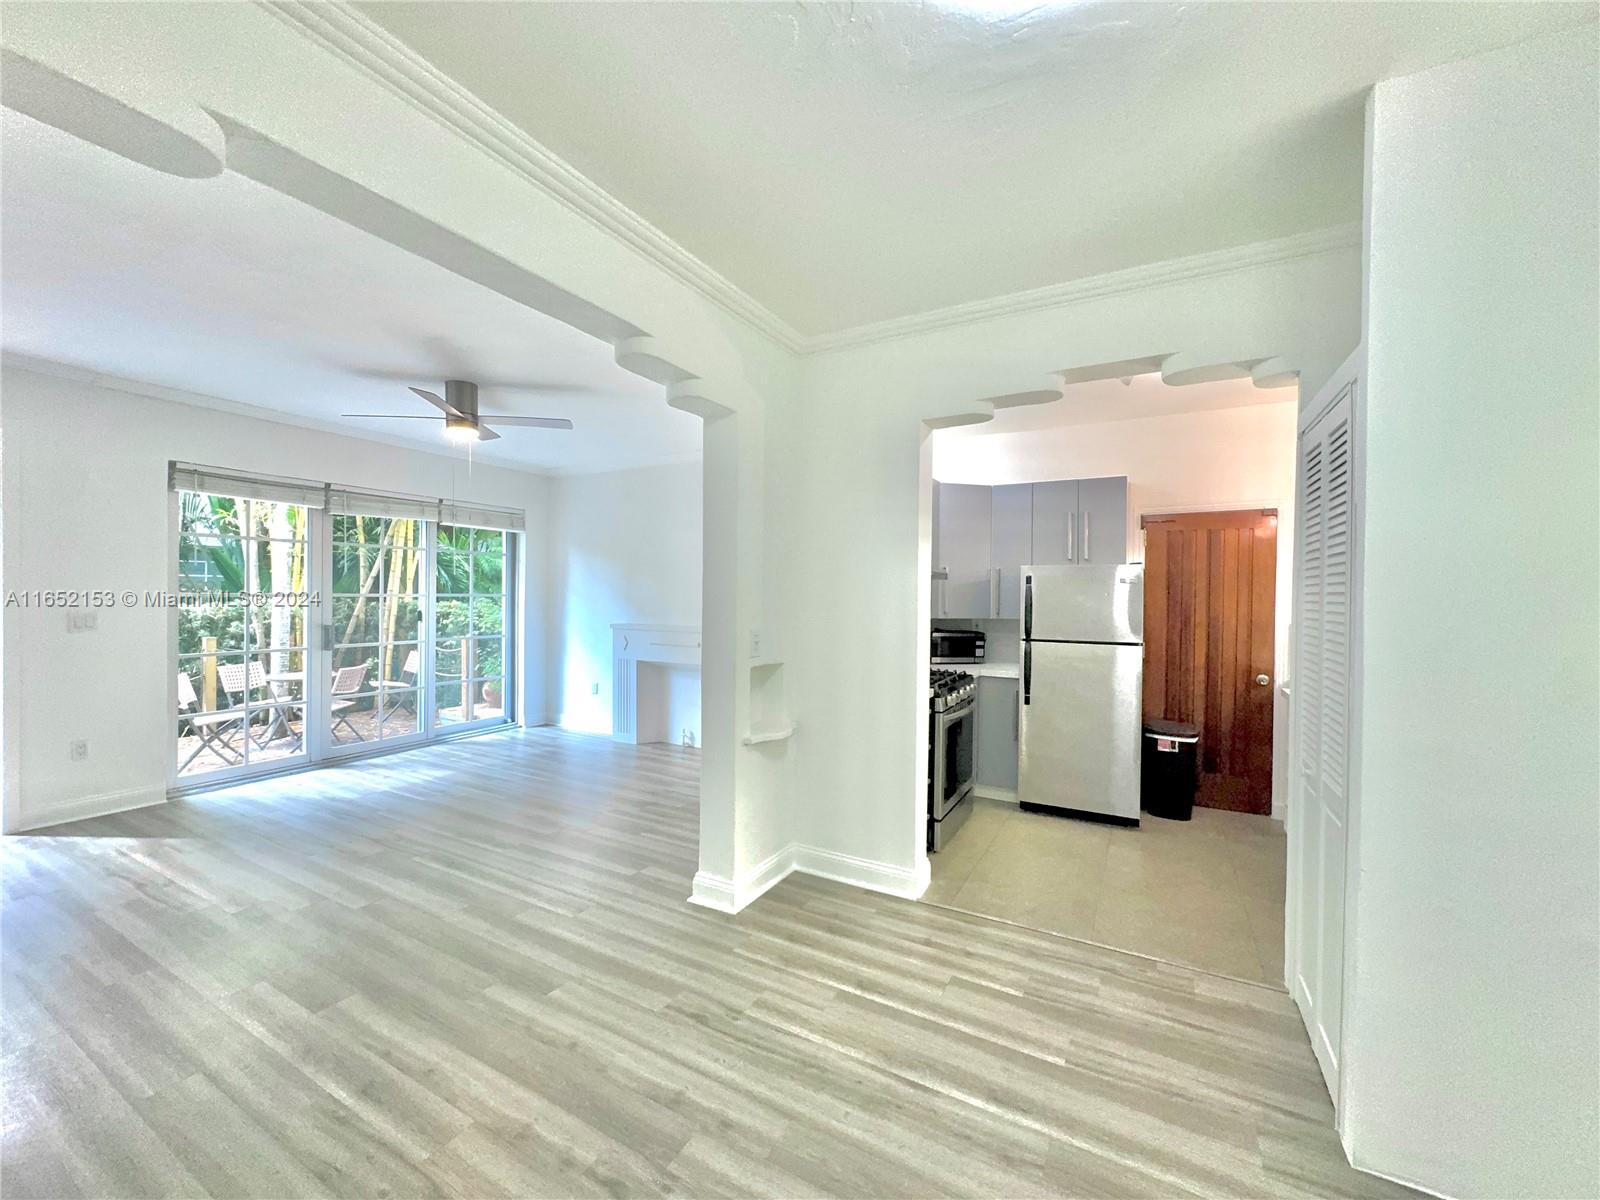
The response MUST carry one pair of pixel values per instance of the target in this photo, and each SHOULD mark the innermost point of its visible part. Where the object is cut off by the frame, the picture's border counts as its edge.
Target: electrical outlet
(78, 751)
(594, 689)
(81, 622)
(755, 643)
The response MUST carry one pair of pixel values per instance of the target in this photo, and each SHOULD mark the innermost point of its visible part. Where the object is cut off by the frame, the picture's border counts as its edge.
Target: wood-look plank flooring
(469, 970)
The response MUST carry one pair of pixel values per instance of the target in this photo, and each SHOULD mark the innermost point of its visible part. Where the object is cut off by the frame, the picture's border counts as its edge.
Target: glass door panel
(242, 630)
(470, 677)
(377, 630)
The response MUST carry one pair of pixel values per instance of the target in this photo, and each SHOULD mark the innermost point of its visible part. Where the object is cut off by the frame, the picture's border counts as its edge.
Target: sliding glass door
(242, 634)
(378, 571)
(307, 633)
(470, 645)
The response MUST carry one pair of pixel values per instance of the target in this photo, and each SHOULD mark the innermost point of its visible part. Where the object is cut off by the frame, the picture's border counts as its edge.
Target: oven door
(955, 756)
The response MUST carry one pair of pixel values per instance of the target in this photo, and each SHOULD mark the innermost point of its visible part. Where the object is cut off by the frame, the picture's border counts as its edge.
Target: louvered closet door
(1324, 598)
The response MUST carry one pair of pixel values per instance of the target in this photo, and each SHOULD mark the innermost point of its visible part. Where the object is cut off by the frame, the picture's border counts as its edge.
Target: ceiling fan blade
(438, 402)
(534, 422)
(485, 434)
(395, 416)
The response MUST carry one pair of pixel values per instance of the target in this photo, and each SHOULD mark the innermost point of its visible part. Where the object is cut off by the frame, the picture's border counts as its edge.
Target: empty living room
(799, 599)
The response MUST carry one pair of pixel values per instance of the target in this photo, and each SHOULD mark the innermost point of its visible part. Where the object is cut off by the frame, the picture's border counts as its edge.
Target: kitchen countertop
(995, 670)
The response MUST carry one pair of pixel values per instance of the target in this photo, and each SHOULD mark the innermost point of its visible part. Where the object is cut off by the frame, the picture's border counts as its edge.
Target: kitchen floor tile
(1207, 892)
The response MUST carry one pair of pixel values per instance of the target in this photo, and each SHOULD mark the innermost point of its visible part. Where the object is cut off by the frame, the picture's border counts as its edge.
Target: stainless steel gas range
(952, 753)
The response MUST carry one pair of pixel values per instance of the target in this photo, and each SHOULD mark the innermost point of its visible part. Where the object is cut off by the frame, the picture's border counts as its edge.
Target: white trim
(369, 47)
(101, 805)
(357, 39)
(713, 891)
(908, 882)
(1094, 287)
(731, 896)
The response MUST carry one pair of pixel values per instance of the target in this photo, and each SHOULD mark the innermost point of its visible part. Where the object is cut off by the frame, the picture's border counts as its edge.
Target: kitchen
(1103, 651)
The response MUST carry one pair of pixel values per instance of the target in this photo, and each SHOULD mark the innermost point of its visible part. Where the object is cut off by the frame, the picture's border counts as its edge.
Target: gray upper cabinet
(1010, 545)
(1103, 520)
(1055, 522)
(961, 548)
(983, 536)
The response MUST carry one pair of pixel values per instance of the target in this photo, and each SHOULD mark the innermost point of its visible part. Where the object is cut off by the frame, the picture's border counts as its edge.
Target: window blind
(349, 502)
(480, 516)
(187, 477)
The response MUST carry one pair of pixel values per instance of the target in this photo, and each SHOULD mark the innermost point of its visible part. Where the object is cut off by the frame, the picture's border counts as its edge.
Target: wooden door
(1210, 584)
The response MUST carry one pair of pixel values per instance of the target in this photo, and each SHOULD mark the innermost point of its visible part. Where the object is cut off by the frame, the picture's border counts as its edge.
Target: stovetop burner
(949, 688)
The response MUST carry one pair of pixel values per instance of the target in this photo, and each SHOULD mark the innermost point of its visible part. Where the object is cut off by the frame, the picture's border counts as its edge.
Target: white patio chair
(405, 685)
(347, 681)
(216, 730)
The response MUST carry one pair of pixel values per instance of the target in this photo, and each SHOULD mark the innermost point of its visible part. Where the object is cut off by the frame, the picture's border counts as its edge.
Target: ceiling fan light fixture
(459, 429)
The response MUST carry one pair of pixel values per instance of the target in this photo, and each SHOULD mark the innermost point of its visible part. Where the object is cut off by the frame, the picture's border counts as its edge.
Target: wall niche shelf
(769, 714)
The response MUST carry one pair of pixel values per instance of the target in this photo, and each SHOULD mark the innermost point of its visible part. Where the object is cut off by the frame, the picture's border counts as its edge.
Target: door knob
(1263, 680)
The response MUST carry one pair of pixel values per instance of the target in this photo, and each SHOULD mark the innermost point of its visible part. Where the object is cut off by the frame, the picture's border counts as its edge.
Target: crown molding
(356, 38)
(352, 36)
(1094, 287)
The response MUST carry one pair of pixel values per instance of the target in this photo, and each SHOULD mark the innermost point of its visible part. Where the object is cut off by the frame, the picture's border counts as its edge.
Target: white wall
(86, 506)
(624, 546)
(1470, 1038)
(851, 524)
(1224, 458)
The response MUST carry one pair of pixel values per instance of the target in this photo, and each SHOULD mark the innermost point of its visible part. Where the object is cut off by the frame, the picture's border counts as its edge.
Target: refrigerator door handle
(1027, 672)
(1027, 607)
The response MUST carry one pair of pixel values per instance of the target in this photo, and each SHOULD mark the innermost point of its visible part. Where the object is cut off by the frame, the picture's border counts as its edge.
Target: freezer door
(1083, 603)
(1080, 727)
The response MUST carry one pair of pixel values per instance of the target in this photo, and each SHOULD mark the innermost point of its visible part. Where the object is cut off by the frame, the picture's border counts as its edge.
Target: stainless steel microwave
(956, 646)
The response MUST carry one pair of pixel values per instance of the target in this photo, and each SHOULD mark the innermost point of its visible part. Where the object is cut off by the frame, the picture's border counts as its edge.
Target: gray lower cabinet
(997, 733)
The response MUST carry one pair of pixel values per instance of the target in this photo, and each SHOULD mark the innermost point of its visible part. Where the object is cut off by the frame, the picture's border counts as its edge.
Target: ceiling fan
(459, 407)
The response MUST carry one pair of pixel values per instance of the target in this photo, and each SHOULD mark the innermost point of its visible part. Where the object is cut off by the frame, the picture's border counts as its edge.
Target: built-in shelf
(769, 712)
(776, 733)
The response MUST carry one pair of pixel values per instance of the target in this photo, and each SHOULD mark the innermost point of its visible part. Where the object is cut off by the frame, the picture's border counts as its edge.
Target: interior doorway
(1210, 612)
(1121, 497)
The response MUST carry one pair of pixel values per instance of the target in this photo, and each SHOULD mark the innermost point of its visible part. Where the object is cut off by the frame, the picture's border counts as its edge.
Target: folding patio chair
(347, 681)
(405, 685)
(242, 685)
(216, 730)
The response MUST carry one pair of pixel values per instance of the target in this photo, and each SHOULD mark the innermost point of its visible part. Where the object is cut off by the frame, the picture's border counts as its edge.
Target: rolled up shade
(480, 517)
(346, 502)
(187, 477)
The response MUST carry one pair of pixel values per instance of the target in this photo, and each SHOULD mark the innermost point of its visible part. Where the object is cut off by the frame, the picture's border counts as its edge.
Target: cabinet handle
(994, 591)
(1072, 527)
(1085, 535)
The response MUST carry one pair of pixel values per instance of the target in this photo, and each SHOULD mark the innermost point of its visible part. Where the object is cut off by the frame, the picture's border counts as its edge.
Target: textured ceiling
(849, 163)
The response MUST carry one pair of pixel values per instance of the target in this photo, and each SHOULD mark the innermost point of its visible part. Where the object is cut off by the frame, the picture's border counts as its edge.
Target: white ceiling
(229, 289)
(849, 163)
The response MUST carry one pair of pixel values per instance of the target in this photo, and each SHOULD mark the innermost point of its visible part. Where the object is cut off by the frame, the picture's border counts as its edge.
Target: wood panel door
(1210, 586)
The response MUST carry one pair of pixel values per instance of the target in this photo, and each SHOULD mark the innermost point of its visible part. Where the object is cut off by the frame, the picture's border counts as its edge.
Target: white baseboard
(862, 872)
(102, 805)
(731, 896)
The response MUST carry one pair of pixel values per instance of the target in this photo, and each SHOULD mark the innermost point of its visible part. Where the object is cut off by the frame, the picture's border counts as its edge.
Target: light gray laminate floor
(469, 970)
(1206, 892)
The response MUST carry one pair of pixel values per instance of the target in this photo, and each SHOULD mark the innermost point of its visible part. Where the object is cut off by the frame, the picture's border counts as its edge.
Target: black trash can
(1170, 770)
